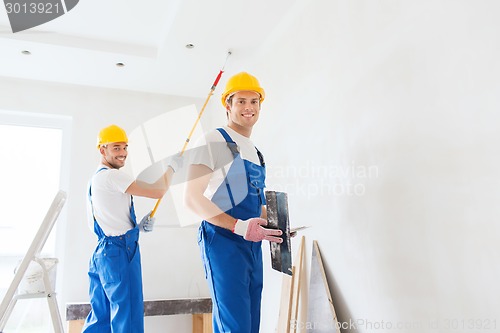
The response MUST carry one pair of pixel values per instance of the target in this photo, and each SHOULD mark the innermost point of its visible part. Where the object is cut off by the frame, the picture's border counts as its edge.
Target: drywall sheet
(321, 316)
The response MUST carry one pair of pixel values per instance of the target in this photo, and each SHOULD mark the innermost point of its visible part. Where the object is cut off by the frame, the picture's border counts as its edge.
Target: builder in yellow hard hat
(115, 267)
(230, 200)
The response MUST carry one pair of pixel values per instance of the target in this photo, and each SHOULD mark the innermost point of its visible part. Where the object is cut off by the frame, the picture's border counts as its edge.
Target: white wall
(171, 264)
(399, 98)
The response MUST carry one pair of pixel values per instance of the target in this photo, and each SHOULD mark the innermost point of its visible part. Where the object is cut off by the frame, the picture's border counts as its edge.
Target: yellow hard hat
(242, 82)
(111, 134)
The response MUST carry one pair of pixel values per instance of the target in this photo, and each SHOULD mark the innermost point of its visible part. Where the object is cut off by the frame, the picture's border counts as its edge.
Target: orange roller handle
(212, 89)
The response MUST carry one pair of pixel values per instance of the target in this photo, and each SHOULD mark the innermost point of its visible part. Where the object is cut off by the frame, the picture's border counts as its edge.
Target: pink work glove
(253, 231)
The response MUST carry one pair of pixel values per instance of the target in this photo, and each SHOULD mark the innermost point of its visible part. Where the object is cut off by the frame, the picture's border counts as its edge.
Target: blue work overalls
(233, 266)
(116, 282)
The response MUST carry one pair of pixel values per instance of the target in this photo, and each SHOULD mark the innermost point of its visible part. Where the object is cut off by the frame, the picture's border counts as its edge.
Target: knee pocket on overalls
(109, 265)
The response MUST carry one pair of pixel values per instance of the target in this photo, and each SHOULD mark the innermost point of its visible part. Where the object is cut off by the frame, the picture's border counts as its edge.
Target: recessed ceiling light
(189, 46)
(120, 64)
(26, 52)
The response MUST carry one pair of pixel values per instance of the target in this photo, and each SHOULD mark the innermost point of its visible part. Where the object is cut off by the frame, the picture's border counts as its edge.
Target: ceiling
(149, 37)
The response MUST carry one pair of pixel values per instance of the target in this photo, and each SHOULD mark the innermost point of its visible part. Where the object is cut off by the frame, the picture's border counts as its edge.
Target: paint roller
(212, 89)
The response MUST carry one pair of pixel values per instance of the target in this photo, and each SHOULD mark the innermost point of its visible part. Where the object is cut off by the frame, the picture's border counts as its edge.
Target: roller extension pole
(212, 89)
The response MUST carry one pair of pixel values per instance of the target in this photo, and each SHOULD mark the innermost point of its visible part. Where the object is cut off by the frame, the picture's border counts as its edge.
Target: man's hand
(253, 231)
(147, 223)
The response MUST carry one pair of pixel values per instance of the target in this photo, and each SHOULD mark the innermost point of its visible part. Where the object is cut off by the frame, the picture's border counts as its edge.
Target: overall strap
(96, 225)
(90, 189)
(132, 210)
(98, 231)
(233, 147)
(261, 158)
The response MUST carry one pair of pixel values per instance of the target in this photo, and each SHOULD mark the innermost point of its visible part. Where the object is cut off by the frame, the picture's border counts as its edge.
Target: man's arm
(156, 190)
(251, 229)
(199, 176)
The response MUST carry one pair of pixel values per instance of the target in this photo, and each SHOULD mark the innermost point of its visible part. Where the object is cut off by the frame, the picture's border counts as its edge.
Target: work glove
(147, 223)
(253, 231)
(176, 162)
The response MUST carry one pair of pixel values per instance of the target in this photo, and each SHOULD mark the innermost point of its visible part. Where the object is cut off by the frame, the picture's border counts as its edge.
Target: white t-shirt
(110, 203)
(219, 159)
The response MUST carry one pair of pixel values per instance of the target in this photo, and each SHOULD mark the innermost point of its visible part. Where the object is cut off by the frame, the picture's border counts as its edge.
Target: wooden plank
(77, 311)
(177, 306)
(297, 274)
(207, 323)
(75, 326)
(277, 218)
(290, 294)
(321, 317)
(202, 323)
(285, 305)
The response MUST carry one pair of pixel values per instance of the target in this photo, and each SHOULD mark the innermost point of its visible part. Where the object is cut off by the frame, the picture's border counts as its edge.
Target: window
(31, 146)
